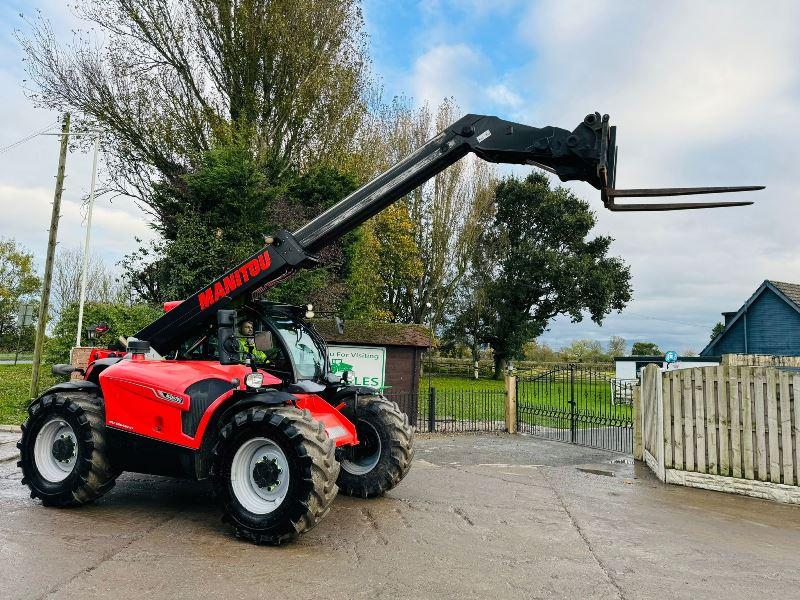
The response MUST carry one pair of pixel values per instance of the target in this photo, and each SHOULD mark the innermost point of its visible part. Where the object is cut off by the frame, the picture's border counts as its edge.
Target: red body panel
(147, 397)
(338, 427)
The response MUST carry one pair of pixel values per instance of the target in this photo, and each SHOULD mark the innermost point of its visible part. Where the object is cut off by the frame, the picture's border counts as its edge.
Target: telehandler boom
(588, 153)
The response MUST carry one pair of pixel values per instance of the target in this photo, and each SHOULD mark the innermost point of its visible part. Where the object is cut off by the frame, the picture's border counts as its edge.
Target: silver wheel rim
(250, 489)
(364, 464)
(55, 432)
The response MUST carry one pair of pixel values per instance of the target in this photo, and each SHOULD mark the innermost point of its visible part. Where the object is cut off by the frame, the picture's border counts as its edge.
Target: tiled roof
(378, 334)
(790, 290)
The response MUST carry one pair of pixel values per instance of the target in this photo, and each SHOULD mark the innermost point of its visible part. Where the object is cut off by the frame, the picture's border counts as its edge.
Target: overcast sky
(703, 94)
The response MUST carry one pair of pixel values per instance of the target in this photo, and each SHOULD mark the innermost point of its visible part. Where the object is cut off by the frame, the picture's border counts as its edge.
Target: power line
(665, 320)
(27, 138)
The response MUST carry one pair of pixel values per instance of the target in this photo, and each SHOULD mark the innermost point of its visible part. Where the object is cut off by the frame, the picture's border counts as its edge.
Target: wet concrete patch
(477, 517)
(596, 472)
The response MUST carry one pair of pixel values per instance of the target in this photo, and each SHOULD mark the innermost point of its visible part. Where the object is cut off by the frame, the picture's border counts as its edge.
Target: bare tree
(101, 285)
(166, 79)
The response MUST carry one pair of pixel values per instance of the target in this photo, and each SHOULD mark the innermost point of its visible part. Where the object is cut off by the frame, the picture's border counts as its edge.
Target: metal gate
(574, 404)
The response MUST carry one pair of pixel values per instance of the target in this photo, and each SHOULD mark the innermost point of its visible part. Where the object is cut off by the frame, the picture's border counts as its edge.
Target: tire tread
(95, 475)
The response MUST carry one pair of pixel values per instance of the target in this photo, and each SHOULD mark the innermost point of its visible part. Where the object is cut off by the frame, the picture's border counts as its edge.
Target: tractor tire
(385, 451)
(63, 450)
(274, 471)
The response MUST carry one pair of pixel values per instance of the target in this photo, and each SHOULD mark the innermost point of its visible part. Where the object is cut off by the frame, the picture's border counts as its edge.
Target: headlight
(254, 380)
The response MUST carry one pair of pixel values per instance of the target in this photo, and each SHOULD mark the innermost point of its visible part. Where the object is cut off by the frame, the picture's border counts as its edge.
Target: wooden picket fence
(725, 422)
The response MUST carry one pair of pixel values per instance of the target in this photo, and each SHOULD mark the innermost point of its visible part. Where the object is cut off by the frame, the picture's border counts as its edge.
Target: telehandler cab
(256, 406)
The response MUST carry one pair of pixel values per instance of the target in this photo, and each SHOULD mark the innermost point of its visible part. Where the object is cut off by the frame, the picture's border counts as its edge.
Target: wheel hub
(266, 473)
(64, 448)
(55, 450)
(366, 455)
(260, 475)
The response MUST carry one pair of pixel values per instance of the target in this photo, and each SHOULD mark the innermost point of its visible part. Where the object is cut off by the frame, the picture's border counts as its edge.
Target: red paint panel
(168, 306)
(147, 397)
(336, 424)
(135, 398)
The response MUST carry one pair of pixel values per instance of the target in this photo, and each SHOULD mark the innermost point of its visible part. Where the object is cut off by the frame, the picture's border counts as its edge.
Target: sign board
(26, 315)
(367, 365)
(671, 357)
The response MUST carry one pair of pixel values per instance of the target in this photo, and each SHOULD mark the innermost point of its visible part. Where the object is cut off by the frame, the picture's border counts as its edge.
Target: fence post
(637, 423)
(511, 402)
(573, 426)
(432, 410)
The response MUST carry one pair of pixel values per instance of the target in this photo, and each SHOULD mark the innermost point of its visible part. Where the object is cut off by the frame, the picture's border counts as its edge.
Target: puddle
(596, 472)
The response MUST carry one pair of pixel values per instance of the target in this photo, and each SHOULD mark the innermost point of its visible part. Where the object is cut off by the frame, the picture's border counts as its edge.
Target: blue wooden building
(768, 323)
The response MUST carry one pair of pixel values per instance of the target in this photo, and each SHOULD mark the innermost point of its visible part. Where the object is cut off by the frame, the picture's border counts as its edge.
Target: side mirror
(339, 324)
(62, 370)
(228, 351)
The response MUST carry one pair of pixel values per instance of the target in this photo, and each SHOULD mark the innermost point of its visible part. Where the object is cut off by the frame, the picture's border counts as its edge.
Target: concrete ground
(478, 517)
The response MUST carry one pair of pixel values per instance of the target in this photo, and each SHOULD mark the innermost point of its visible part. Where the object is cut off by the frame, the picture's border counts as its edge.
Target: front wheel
(384, 453)
(63, 452)
(275, 472)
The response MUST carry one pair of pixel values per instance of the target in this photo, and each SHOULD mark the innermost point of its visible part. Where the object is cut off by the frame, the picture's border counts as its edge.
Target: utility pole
(51, 250)
(84, 272)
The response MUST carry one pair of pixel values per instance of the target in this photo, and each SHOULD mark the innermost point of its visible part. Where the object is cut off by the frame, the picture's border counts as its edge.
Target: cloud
(503, 96)
(445, 71)
(703, 94)
(26, 217)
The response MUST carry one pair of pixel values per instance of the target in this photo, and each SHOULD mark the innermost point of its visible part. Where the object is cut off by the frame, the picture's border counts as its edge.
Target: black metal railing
(574, 404)
(453, 411)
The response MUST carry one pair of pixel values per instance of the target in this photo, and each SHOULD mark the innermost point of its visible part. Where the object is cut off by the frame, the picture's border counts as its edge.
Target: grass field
(446, 383)
(544, 404)
(15, 382)
(11, 355)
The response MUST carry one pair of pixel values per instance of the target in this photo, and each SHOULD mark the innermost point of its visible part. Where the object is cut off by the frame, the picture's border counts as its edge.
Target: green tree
(617, 346)
(537, 351)
(717, 330)
(542, 263)
(584, 351)
(221, 215)
(122, 320)
(645, 349)
(18, 283)
(227, 121)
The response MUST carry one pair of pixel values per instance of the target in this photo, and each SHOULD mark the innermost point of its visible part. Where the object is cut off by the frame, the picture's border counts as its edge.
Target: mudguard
(72, 386)
(338, 427)
(266, 398)
(352, 390)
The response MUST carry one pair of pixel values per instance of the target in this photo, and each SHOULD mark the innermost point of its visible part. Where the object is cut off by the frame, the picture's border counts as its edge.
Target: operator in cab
(247, 343)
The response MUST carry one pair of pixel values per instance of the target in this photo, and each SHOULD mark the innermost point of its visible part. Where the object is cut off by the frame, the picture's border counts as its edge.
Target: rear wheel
(384, 453)
(63, 453)
(275, 472)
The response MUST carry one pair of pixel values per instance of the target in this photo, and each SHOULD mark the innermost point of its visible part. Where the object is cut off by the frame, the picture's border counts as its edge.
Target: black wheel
(275, 473)
(63, 453)
(384, 453)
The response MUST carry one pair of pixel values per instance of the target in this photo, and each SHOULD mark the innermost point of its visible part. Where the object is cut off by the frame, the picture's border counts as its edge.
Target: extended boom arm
(588, 153)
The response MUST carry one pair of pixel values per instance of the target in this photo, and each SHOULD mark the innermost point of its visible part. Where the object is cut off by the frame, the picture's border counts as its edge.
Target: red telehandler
(227, 387)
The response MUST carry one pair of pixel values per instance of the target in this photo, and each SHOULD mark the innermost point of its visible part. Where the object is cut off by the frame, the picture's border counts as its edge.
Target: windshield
(306, 353)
